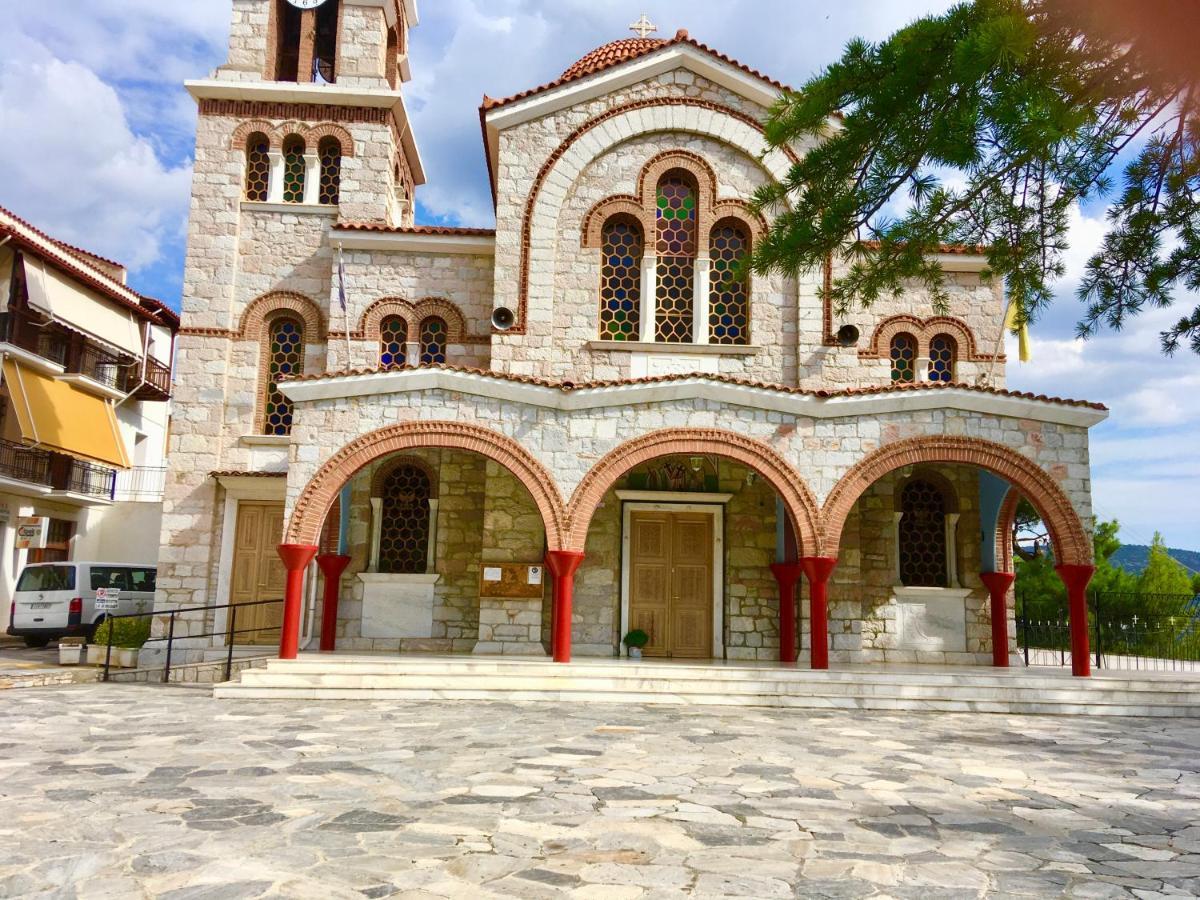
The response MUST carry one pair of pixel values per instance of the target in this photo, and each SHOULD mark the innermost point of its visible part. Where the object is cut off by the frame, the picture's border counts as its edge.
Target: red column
(296, 558)
(562, 565)
(818, 569)
(1076, 579)
(998, 584)
(332, 567)
(787, 574)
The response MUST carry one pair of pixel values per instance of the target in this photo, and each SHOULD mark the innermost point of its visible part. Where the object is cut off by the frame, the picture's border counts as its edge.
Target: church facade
(538, 438)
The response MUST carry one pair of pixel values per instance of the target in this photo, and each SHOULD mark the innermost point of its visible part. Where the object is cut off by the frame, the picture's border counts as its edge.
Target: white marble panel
(931, 619)
(397, 606)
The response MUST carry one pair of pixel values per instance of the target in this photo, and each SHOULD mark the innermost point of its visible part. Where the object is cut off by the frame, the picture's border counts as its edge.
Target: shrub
(637, 638)
(126, 633)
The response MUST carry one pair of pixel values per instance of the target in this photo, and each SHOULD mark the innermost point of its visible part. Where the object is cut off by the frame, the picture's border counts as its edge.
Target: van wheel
(36, 643)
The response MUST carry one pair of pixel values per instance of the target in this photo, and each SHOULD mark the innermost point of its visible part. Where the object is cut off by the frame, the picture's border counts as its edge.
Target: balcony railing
(56, 471)
(33, 333)
(157, 382)
(110, 369)
(142, 483)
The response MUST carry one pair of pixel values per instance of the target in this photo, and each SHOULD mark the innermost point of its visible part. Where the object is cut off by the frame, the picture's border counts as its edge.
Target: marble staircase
(1017, 690)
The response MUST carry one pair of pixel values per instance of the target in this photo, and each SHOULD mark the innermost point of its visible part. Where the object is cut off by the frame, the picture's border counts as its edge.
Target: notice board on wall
(512, 581)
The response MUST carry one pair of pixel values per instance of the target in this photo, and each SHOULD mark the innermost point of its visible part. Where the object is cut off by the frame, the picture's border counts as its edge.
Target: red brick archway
(1072, 544)
(797, 498)
(314, 502)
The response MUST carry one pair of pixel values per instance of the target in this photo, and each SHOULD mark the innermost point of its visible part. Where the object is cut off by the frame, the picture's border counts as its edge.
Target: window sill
(266, 440)
(916, 594)
(306, 208)
(397, 578)
(676, 349)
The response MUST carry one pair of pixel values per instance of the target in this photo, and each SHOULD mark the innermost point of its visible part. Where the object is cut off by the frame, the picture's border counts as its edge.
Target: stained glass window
(904, 358)
(942, 350)
(433, 340)
(330, 152)
(393, 347)
(676, 215)
(404, 529)
(922, 535)
(258, 167)
(729, 294)
(621, 280)
(293, 170)
(285, 346)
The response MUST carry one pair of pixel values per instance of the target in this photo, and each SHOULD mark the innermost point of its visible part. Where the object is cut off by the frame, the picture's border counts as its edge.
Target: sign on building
(32, 532)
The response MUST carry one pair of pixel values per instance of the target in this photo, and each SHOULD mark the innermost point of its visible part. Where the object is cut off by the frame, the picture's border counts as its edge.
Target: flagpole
(345, 305)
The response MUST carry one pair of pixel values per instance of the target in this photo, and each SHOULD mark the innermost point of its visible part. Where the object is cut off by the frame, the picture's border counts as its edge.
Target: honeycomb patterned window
(285, 348)
(404, 529)
(433, 341)
(729, 290)
(293, 170)
(904, 358)
(393, 346)
(922, 535)
(621, 280)
(942, 351)
(676, 215)
(258, 168)
(330, 153)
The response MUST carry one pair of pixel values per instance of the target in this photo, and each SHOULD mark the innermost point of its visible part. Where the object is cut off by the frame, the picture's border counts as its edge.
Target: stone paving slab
(152, 791)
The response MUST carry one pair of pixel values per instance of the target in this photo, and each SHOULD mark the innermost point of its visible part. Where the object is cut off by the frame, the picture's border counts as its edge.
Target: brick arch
(241, 134)
(881, 339)
(414, 314)
(316, 133)
(740, 211)
(449, 312)
(315, 500)
(924, 330)
(935, 478)
(1004, 526)
(797, 498)
(262, 308)
(597, 217)
(672, 114)
(391, 464)
(372, 318)
(1071, 541)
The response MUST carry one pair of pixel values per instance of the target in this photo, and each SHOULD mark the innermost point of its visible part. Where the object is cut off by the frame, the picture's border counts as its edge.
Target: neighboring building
(84, 404)
(588, 384)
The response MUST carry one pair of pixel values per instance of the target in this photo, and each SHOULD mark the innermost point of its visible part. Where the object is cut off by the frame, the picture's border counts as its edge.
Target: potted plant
(69, 650)
(635, 641)
(128, 636)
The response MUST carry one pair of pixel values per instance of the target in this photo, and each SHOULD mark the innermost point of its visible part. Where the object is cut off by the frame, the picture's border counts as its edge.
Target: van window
(110, 577)
(47, 578)
(144, 579)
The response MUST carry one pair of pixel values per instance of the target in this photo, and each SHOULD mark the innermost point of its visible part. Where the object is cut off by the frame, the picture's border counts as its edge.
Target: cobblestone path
(134, 791)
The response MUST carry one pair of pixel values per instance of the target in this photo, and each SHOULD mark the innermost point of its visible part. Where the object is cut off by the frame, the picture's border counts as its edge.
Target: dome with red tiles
(611, 54)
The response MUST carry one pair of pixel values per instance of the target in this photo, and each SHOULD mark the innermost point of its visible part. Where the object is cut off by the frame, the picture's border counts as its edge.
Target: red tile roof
(618, 52)
(233, 473)
(570, 386)
(417, 229)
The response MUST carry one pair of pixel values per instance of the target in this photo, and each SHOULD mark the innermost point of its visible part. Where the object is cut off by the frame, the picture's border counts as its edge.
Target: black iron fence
(228, 633)
(1164, 636)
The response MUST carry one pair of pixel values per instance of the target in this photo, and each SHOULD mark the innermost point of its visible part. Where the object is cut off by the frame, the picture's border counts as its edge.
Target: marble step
(236, 691)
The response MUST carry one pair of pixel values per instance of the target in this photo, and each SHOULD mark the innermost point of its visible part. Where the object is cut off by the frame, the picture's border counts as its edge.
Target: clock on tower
(306, 4)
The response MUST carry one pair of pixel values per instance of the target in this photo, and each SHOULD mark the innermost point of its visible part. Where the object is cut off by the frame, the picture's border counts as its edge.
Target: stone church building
(536, 438)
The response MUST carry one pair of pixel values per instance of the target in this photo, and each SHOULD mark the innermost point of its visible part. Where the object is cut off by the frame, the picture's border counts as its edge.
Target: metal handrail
(170, 638)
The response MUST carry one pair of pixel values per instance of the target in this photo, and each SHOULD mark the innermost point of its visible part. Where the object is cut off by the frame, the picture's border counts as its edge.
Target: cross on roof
(643, 27)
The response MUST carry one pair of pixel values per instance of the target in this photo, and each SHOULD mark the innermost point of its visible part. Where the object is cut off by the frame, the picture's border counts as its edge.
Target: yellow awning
(59, 416)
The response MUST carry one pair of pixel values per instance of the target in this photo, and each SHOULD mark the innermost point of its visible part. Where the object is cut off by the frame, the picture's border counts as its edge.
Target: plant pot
(69, 654)
(635, 652)
(122, 657)
(95, 654)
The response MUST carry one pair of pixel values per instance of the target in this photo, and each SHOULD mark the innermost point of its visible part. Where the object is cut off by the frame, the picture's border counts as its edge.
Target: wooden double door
(671, 582)
(258, 573)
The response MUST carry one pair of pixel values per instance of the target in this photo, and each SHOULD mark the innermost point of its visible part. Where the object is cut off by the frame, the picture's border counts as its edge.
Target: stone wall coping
(904, 592)
(676, 349)
(314, 209)
(414, 242)
(397, 578)
(570, 398)
(265, 440)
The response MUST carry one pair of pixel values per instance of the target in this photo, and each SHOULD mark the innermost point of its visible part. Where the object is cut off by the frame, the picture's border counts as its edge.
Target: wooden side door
(258, 573)
(670, 582)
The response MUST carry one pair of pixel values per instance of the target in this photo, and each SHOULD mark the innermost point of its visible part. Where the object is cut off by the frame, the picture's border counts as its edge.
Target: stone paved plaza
(134, 791)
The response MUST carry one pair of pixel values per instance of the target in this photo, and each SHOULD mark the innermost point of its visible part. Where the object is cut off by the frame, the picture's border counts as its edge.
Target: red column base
(818, 569)
(787, 574)
(332, 566)
(562, 565)
(296, 558)
(1076, 578)
(998, 584)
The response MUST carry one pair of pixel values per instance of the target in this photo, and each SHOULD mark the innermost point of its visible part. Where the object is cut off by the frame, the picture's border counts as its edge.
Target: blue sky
(98, 143)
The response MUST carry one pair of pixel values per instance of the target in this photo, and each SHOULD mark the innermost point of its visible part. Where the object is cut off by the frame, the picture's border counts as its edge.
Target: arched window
(285, 349)
(621, 279)
(393, 343)
(943, 350)
(433, 340)
(293, 169)
(922, 535)
(404, 527)
(258, 167)
(676, 214)
(904, 358)
(729, 289)
(330, 153)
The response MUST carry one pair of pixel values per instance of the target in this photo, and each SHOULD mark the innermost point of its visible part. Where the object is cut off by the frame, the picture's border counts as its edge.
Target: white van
(57, 599)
